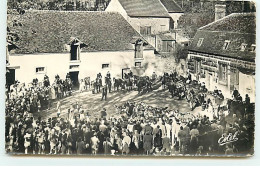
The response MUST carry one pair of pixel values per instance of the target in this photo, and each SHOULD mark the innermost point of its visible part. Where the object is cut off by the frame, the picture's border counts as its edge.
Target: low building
(174, 10)
(222, 54)
(148, 17)
(79, 43)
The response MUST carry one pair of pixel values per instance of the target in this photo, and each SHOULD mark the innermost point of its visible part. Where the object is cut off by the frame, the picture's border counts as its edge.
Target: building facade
(222, 54)
(82, 44)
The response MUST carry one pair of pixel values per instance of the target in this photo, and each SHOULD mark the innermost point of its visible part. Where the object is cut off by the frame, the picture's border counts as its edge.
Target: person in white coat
(168, 127)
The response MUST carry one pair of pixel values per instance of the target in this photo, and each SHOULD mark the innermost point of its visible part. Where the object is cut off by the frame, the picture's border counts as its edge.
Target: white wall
(115, 6)
(90, 65)
(175, 17)
(247, 86)
(155, 23)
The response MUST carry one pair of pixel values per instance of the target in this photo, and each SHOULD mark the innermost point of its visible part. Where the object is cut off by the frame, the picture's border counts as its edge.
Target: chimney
(220, 11)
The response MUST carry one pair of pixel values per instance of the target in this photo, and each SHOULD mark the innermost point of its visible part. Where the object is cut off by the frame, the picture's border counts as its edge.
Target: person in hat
(104, 93)
(103, 114)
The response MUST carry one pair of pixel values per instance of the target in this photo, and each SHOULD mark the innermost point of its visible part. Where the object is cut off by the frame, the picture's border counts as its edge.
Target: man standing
(104, 93)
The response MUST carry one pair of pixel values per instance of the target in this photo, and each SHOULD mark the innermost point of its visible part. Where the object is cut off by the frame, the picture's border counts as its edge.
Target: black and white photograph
(130, 78)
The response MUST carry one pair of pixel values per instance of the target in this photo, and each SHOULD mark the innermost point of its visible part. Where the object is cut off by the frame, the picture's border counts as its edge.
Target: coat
(148, 140)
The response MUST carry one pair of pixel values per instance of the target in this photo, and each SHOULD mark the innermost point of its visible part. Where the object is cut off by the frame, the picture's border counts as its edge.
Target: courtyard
(92, 103)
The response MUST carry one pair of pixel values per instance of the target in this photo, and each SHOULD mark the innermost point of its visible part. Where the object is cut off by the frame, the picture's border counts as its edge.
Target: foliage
(81, 5)
(181, 52)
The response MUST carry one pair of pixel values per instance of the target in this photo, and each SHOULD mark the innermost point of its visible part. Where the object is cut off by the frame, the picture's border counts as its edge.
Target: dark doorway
(74, 78)
(125, 70)
(10, 77)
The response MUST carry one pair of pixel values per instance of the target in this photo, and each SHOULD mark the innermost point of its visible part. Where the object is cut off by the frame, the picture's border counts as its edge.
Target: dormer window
(138, 44)
(74, 52)
(253, 47)
(226, 44)
(243, 47)
(139, 50)
(75, 46)
(200, 42)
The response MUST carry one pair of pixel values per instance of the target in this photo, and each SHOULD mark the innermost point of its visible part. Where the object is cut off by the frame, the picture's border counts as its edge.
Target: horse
(129, 84)
(117, 83)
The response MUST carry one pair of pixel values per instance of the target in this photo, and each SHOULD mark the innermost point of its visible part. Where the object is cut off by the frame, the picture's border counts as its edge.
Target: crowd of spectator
(135, 129)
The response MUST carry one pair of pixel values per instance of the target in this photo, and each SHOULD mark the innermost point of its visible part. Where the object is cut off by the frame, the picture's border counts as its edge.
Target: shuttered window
(146, 30)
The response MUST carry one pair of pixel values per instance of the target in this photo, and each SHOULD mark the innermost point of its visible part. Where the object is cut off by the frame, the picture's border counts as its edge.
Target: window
(167, 46)
(243, 47)
(222, 72)
(74, 66)
(138, 64)
(146, 30)
(105, 66)
(139, 50)
(226, 44)
(253, 47)
(40, 70)
(200, 41)
(74, 52)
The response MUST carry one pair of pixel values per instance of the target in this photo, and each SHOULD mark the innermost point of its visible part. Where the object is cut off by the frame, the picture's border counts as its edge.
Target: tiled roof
(237, 28)
(50, 31)
(236, 22)
(166, 37)
(144, 8)
(172, 6)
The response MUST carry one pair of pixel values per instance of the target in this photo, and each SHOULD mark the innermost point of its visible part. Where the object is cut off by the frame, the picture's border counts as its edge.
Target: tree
(181, 52)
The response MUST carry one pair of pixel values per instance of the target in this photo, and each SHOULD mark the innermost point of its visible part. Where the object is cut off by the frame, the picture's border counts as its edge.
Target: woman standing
(147, 142)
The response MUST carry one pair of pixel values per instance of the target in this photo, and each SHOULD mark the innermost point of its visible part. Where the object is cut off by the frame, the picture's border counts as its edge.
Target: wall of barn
(89, 66)
(157, 24)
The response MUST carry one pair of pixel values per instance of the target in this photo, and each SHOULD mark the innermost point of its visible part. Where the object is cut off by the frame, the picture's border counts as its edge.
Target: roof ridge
(228, 31)
(228, 16)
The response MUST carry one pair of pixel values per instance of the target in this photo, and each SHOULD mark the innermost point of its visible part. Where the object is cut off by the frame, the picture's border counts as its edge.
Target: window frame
(226, 44)
(243, 47)
(138, 66)
(105, 67)
(41, 71)
(253, 48)
(200, 42)
(144, 30)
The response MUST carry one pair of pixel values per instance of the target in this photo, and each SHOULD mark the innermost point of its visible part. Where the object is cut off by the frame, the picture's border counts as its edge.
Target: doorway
(125, 70)
(10, 77)
(74, 76)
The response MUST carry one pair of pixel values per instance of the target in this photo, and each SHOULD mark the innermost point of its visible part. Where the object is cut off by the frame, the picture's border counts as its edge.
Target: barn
(82, 44)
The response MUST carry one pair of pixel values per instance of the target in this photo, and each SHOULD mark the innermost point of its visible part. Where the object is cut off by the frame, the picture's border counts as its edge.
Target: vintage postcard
(130, 78)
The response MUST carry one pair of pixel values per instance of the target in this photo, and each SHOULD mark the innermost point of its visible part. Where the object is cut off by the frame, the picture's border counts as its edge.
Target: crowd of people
(135, 128)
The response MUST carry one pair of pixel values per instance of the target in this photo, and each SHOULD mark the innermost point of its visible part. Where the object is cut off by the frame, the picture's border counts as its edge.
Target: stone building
(222, 54)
